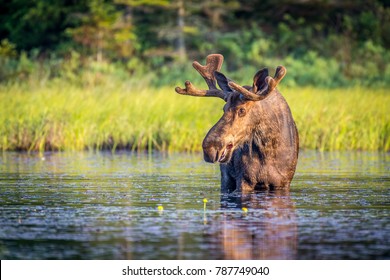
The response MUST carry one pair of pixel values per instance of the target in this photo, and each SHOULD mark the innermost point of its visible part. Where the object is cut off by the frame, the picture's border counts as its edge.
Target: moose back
(256, 140)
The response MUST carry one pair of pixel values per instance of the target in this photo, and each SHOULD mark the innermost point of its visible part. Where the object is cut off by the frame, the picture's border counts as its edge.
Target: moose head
(256, 140)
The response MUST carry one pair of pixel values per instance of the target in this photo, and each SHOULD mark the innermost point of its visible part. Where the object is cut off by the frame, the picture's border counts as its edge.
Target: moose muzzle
(214, 150)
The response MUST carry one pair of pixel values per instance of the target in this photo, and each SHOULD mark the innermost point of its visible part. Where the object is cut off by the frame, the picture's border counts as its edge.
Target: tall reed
(61, 116)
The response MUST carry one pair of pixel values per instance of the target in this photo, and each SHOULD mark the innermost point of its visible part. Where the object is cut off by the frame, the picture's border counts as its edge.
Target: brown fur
(265, 149)
(256, 139)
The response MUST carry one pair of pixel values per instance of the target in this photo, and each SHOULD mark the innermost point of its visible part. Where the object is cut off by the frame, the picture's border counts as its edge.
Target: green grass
(342, 119)
(67, 117)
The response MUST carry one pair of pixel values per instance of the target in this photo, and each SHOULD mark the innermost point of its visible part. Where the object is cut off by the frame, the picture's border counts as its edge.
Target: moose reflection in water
(268, 230)
(256, 139)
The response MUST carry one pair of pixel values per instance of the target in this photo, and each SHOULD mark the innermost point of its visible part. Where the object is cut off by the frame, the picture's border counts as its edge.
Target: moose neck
(268, 134)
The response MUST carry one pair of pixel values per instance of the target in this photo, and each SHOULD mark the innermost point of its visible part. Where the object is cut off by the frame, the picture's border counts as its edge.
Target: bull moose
(256, 140)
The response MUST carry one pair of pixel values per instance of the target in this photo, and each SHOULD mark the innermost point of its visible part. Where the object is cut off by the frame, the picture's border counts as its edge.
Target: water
(105, 206)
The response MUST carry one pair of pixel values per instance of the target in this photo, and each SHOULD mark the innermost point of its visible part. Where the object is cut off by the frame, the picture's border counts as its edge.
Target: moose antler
(257, 94)
(213, 63)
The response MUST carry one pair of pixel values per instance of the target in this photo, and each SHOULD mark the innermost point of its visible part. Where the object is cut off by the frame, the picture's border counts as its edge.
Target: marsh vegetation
(66, 117)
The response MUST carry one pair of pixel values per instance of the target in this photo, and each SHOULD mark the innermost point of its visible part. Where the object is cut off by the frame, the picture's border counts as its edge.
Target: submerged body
(256, 140)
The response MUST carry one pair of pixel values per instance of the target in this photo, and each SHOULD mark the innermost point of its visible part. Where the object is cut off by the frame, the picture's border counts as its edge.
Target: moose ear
(223, 81)
(259, 80)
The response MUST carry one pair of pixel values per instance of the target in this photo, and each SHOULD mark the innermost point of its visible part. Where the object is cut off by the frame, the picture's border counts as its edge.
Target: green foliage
(141, 37)
(7, 49)
(311, 69)
(36, 23)
(104, 32)
(7, 55)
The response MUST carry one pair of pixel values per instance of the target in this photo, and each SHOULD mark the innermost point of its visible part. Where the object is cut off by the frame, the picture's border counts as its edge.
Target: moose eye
(241, 112)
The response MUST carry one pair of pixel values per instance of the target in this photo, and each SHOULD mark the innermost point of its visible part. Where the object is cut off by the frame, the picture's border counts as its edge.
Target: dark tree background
(328, 42)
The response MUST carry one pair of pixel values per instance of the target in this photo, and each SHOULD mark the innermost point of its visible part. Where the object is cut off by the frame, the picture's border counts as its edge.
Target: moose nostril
(210, 154)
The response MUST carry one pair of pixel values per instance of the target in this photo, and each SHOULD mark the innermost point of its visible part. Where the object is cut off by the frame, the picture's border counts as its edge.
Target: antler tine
(213, 63)
(279, 74)
(193, 91)
(262, 93)
(245, 92)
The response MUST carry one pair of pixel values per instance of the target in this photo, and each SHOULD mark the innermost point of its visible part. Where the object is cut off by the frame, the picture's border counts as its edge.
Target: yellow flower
(204, 203)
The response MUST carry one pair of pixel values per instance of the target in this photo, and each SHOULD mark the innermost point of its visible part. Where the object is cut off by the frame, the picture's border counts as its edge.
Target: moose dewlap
(256, 140)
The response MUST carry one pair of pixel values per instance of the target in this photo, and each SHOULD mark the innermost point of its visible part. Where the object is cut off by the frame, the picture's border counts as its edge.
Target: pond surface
(105, 206)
